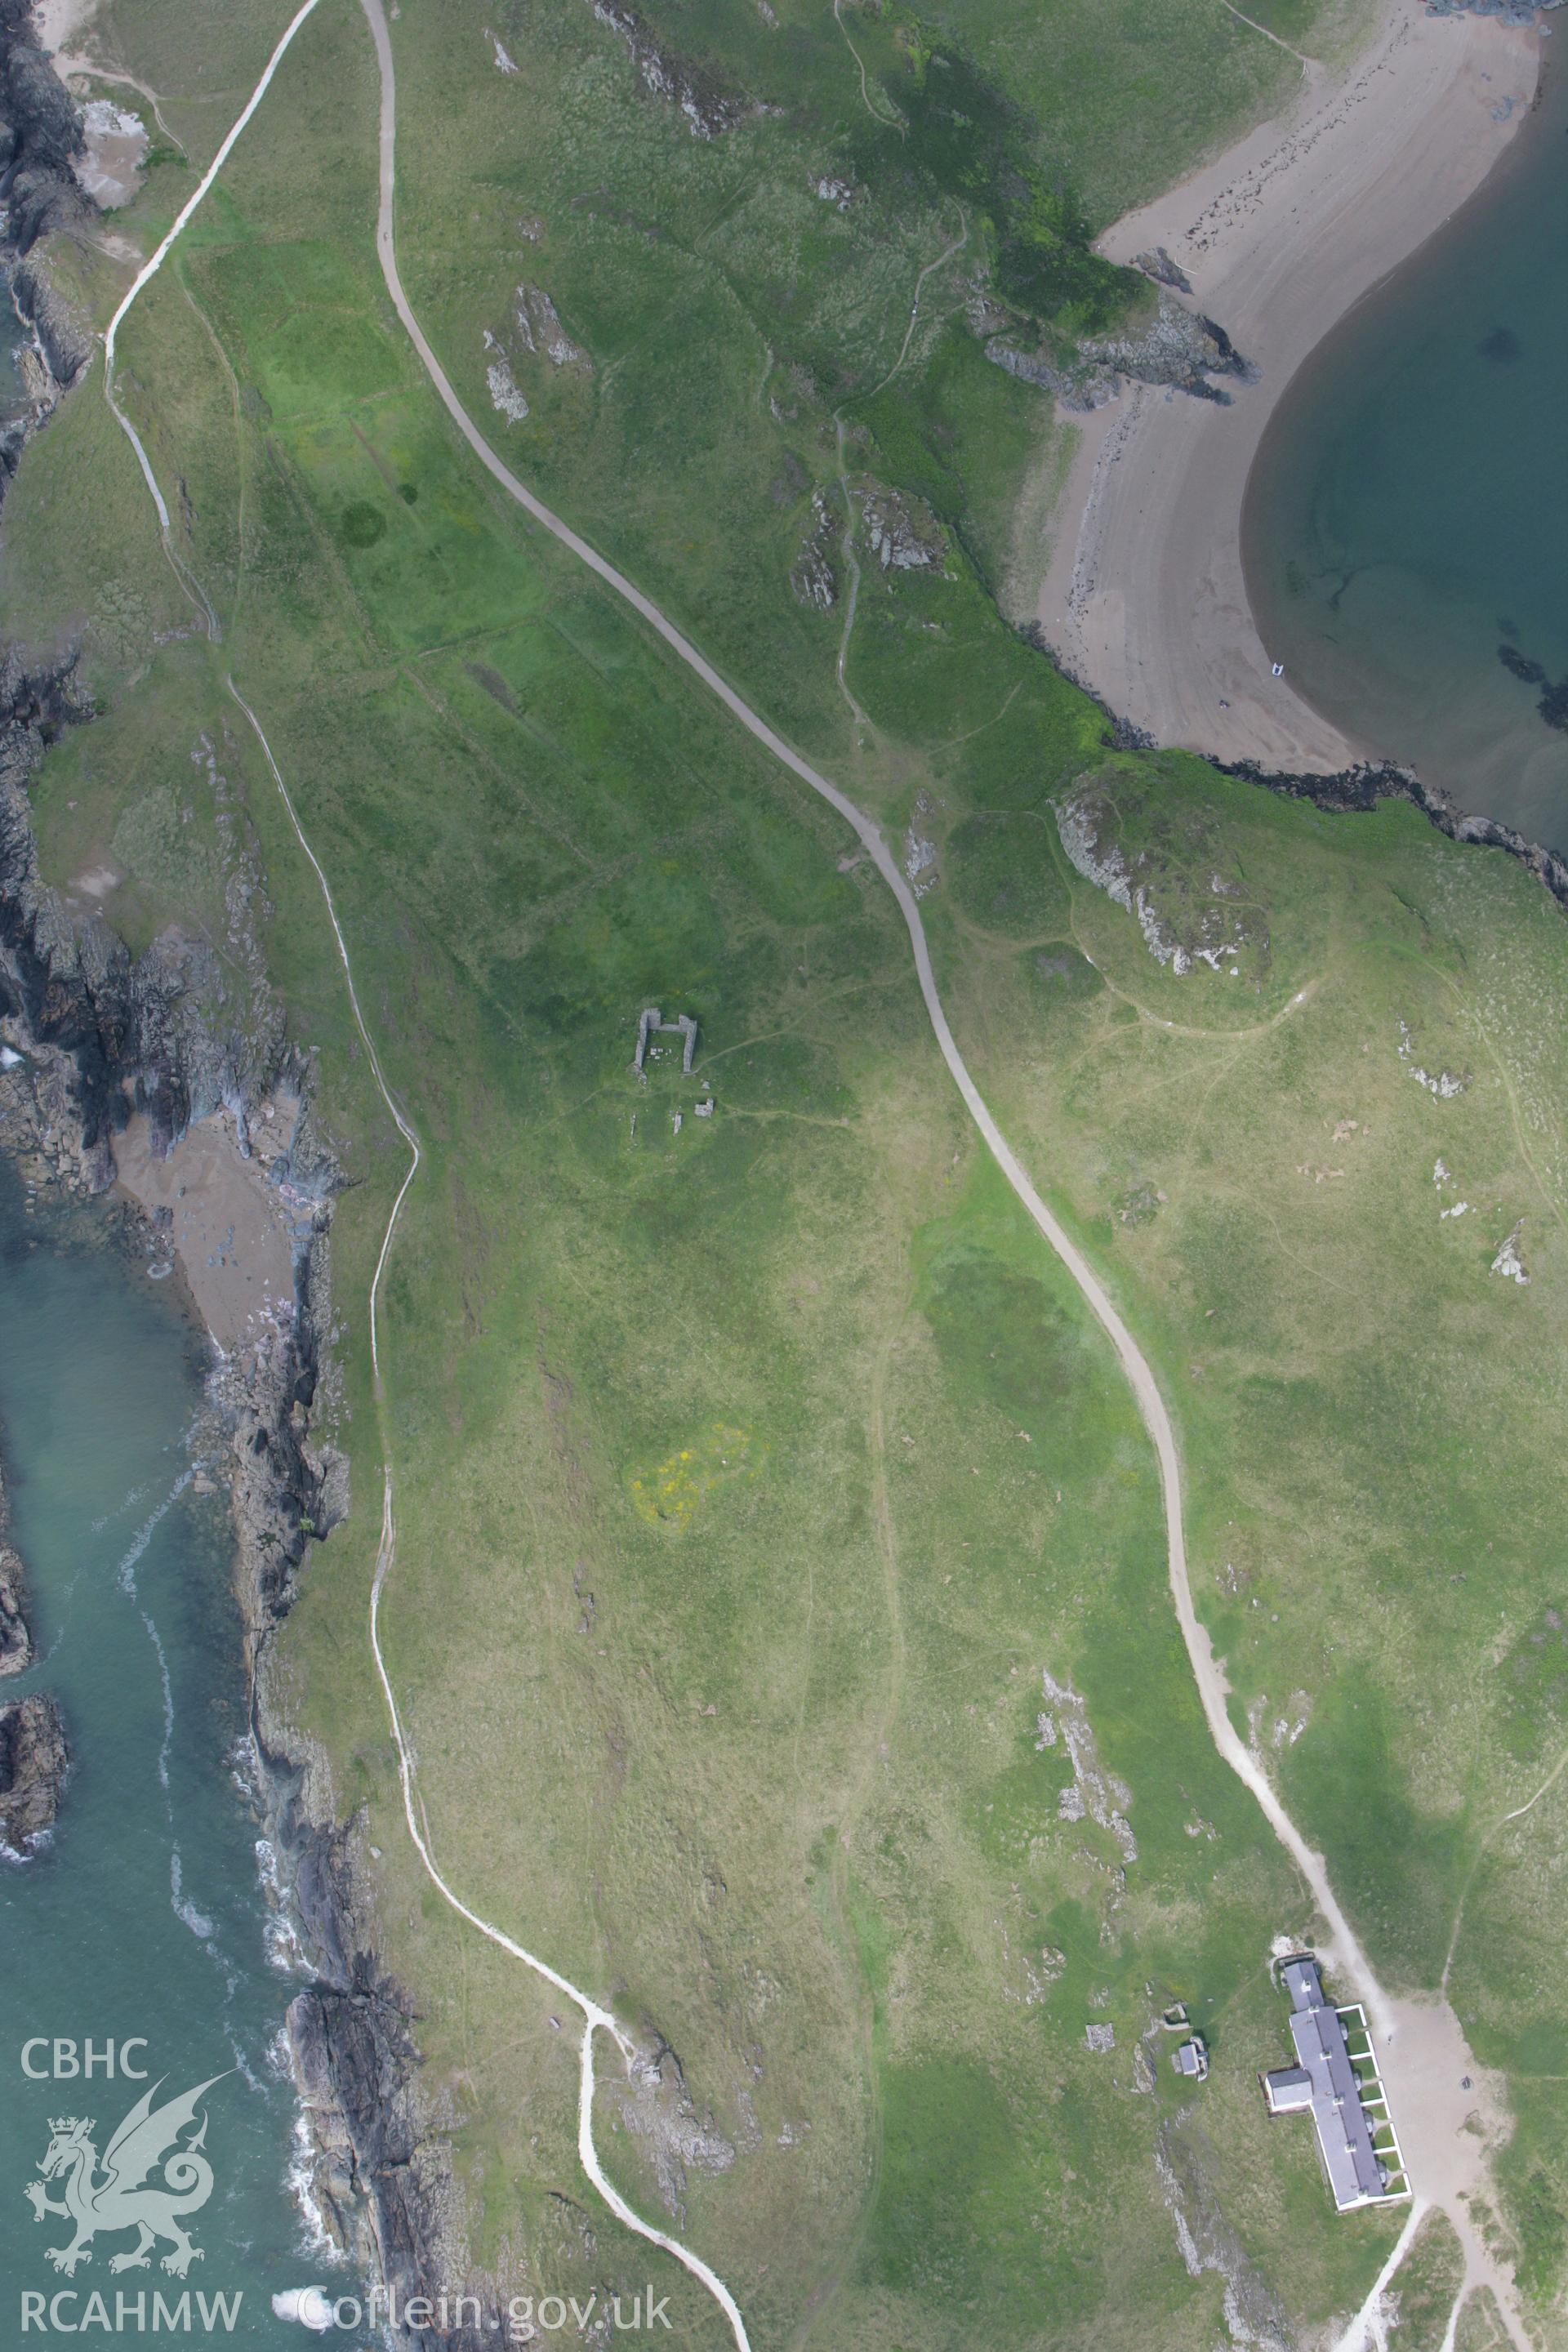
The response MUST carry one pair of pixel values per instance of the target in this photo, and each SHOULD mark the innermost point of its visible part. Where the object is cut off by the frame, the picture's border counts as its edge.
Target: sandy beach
(1144, 598)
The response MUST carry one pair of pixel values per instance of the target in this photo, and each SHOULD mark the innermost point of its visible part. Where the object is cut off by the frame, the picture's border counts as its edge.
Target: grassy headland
(755, 1475)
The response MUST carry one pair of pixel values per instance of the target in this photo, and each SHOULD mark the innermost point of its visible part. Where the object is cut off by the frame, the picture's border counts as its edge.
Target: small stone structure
(653, 1023)
(1192, 2058)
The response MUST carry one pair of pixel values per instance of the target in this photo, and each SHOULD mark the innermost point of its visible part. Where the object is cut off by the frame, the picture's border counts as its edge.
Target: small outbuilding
(1191, 2058)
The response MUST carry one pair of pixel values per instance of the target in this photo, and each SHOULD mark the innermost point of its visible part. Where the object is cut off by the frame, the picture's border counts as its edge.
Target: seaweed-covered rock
(1520, 666)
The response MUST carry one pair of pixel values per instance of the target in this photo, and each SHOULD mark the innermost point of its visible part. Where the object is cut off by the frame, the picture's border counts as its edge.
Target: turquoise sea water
(1407, 515)
(143, 1921)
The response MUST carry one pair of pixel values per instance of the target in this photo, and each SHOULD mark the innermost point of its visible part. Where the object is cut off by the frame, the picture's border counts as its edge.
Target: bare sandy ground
(58, 21)
(1145, 597)
(225, 1226)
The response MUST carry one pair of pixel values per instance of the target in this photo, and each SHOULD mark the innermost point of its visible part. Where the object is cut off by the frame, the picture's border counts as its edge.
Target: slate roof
(1324, 2079)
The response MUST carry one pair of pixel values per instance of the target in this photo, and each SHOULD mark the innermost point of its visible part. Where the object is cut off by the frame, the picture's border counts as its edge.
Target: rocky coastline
(96, 1036)
(40, 136)
(1355, 791)
(100, 1036)
(1348, 792)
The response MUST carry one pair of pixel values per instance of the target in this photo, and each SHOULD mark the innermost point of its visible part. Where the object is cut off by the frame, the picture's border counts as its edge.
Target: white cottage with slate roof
(1325, 2083)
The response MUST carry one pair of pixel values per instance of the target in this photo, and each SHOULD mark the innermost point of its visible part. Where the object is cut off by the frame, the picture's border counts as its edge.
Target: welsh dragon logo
(119, 2196)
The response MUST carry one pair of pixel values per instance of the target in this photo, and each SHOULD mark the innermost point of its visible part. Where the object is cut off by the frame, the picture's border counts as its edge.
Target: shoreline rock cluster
(34, 1762)
(1348, 792)
(1355, 791)
(1178, 347)
(95, 1036)
(15, 1640)
(100, 1035)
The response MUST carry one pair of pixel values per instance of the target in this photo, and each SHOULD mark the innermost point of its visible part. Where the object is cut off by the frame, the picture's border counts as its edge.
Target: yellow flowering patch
(668, 1496)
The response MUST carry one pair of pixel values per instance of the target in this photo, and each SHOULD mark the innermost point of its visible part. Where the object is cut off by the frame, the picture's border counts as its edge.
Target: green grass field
(755, 1477)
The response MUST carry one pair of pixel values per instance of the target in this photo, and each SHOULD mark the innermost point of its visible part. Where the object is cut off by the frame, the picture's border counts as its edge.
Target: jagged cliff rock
(40, 137)
(95, 1034)
(105, 1034)
(709, 108)
(1178, 348)
(1357, 791)
(109, 1033)
(40, 134)
(34, 1761)
(380, 2174)
(63, 340)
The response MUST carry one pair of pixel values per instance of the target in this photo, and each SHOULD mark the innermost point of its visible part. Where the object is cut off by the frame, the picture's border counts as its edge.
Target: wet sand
(1144, 598)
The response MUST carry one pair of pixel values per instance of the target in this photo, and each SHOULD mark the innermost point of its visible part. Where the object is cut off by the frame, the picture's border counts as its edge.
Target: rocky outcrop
(63, 340)
(379, 2173)
(901, 532)
(814, 579)
(40, 135)
(1179, 348)
(656, 2107)
(15, 1642)
(1185, 920)
(1160, 266)
(539, 331)
(40, 138)
(536, 330)
(707, 107)
(34, 1761)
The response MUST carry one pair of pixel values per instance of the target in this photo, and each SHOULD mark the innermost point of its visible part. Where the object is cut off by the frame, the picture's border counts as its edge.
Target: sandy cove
(1144, 599)
(219, 1218)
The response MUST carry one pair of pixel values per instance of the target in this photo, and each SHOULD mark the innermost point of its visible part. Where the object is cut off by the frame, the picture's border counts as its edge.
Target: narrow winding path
(1425, 2057)
(1426, 2062)
(1134, 1364)
(595, 2017)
